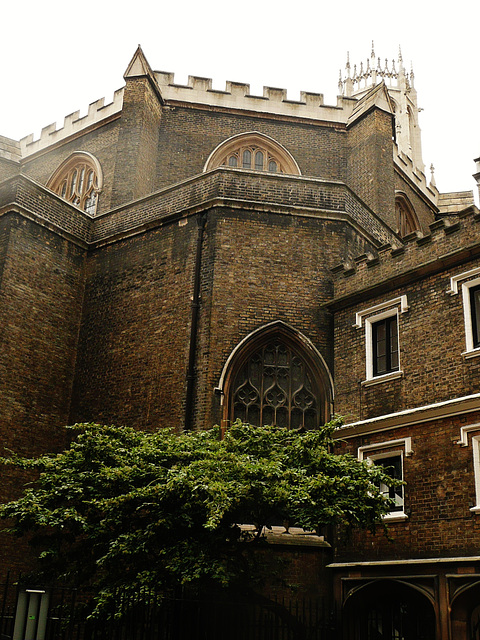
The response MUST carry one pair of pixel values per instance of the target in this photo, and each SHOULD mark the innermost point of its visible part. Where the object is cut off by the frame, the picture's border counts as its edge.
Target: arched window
(407, 220)
(274, 378)
(79, 181)
(253, 151)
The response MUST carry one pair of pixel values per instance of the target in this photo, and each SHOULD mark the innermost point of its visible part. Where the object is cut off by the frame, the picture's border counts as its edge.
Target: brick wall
(260, 268)
(41, 295)
(41, 285)
(257, 267)
(370, 170)
(189, 134)
(248, 189)
(438, 495)
(135, 155)
(134, 338)
(432, 339)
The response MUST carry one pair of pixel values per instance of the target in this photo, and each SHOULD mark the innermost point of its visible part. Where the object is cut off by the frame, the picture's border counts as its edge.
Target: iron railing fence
(153, 616)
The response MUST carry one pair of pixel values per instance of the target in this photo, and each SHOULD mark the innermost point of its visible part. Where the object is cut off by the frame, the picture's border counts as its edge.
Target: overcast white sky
(57, 57)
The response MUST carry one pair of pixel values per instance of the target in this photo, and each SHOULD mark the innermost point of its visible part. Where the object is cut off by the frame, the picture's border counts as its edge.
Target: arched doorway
(388, 610)
(465, 613)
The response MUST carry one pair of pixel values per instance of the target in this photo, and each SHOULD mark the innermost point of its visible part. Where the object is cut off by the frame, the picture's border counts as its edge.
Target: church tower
(401, 89)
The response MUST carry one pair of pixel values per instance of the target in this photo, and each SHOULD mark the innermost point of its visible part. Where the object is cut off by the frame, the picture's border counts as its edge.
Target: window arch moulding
(79, 180)
(275, 375)
(255, 151)
(406, 218)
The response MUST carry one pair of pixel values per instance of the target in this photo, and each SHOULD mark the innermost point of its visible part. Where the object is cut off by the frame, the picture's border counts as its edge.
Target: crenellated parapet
(237, 95)
(446, 243)
(9, 149)
(98, 112)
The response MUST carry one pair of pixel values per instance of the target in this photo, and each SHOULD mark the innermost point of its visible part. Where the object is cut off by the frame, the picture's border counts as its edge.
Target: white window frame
(471, 281)
(385, 310)
(402, 448)
(463, 442)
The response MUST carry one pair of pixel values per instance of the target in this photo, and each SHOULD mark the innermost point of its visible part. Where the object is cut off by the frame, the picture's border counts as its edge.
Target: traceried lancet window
(407, 221)
(77, 180)
(253, 158)
(276, 387)
(254, 151)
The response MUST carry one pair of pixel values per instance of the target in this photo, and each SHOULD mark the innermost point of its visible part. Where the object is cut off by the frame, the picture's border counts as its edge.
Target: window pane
(475, 312)
(77, 183)
(272, 166)
(275, 386)
(232, 161)
(73, 183)
(247, 159)
(259, 161)
(385, 346)
(393, 467)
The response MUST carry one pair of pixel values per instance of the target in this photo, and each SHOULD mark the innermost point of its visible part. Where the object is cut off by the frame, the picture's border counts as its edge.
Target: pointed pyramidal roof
(140, 68)
(378, 97)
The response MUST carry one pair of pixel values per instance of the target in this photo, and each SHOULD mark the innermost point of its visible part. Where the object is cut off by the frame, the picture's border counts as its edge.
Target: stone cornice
(411, 417)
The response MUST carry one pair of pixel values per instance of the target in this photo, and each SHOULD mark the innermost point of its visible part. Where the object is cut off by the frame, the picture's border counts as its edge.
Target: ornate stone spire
(400, 86)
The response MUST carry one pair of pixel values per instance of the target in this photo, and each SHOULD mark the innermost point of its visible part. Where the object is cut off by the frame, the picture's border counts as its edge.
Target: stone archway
(388, 610)
(465, 613)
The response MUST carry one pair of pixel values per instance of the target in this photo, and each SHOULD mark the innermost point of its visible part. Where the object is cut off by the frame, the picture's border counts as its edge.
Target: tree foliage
(122, 508)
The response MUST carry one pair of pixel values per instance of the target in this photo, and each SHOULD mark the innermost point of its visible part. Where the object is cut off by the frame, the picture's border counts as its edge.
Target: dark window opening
(393, 466)
(385, 346)
(475, 315)
(275, 386)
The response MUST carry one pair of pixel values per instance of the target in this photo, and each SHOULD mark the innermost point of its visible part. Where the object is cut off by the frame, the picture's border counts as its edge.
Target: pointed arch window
(275, 386)
(254, 151)
(273, 380)
(407, 221)
(79, 181)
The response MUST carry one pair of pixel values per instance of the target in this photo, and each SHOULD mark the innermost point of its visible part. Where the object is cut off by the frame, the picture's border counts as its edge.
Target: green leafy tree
(125, 508)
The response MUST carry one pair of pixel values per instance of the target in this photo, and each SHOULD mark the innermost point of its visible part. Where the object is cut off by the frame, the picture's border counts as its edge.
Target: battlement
(446, 242)
(237, 95)
(9, 149)
(73, 123)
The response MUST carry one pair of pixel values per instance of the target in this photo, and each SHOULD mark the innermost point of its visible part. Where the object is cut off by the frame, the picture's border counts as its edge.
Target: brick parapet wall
(445, 244)
(35, 202)
(287, 192)
(290, 194)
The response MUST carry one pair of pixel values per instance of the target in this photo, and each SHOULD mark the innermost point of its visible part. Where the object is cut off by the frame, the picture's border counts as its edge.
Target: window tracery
(276, 387)
(407, 221)
(78, 180)
(253, 158)
(253, 151)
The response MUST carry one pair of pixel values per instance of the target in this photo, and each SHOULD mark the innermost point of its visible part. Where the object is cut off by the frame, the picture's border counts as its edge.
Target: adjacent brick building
(184, 256)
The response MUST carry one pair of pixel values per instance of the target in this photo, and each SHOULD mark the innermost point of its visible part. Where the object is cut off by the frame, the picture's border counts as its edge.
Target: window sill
(395, 516)
(475, 353)
(475, 509)
(394, 375)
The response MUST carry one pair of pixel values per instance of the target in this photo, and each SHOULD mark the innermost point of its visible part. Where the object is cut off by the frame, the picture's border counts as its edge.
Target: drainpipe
(201, 220)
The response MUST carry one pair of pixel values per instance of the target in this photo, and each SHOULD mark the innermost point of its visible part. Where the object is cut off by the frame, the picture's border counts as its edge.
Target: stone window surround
(83, 192)
(472, 278)
(463, 442)
(253, 139)
(401, 447)
(375, 314)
